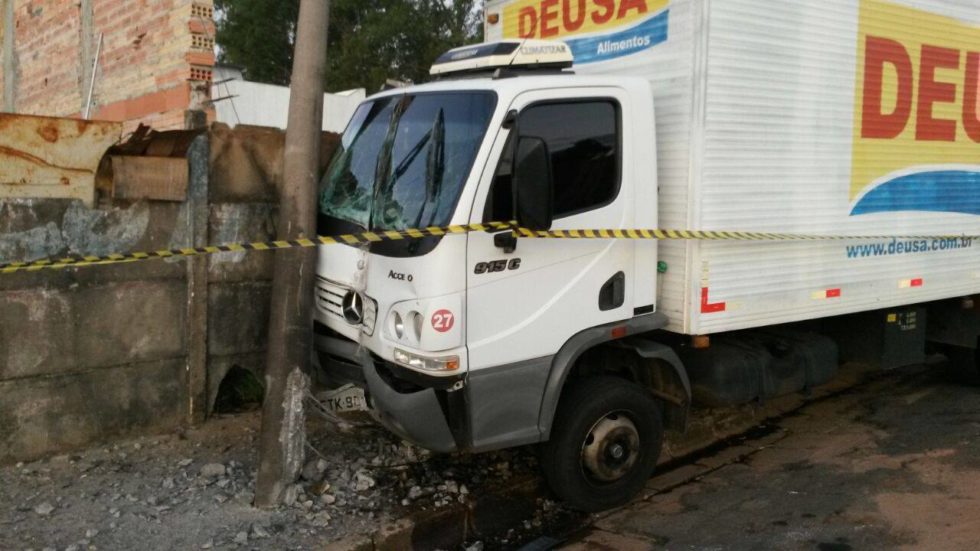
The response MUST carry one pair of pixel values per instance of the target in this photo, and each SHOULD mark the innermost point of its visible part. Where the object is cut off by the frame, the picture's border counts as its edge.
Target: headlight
(423, 363)
(417, 322)
(399, 325)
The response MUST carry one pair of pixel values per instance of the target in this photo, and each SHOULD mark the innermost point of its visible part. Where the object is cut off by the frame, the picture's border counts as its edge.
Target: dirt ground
(894, 464)
(194, 490)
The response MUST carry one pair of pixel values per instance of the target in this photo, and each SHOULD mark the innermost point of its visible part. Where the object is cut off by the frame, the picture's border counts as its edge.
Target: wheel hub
(611, 448)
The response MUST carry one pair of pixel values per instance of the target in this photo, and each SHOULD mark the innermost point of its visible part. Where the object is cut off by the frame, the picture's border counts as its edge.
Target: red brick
(201, 26)
(174, 99)
(200, 58)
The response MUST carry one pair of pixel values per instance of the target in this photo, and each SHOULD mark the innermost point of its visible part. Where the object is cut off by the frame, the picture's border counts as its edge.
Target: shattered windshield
(404, 159)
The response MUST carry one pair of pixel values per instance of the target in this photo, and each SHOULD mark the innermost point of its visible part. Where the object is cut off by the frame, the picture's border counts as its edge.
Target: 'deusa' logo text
(917, 113)
(595, 30)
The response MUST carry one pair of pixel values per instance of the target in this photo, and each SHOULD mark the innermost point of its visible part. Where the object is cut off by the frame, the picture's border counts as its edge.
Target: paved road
(892, 464)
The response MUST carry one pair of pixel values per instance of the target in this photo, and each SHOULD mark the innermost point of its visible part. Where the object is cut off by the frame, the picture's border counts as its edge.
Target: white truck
(833, 118)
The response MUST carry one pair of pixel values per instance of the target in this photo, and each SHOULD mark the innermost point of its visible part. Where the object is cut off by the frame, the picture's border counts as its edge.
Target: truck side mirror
(533, 184)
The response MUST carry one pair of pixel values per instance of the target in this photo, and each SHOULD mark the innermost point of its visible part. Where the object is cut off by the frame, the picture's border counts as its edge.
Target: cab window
(584, 141)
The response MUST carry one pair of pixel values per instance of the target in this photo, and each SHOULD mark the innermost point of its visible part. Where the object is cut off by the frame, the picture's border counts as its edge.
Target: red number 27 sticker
(443, 320)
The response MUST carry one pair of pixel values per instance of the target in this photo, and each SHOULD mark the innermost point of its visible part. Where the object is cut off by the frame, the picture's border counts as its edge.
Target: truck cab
(482, 340)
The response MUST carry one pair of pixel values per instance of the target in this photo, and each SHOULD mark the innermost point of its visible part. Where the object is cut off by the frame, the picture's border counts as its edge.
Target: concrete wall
(91, 354)
(155, 63)
(88, 354)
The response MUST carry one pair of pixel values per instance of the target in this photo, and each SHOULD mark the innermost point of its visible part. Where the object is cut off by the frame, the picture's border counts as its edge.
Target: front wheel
(604, 444)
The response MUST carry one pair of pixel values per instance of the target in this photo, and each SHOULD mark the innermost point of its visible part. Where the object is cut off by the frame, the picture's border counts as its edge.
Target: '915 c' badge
(497, 266)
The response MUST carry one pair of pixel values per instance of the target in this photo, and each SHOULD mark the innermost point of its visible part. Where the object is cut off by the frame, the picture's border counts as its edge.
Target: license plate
(346, 398)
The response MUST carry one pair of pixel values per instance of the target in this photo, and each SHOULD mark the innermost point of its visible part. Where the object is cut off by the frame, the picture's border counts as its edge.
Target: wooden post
(282, 438)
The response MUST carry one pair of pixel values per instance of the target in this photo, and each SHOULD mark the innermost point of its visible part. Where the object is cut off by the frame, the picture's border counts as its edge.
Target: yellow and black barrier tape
(392, 235)
(713, 235)
(57, 263)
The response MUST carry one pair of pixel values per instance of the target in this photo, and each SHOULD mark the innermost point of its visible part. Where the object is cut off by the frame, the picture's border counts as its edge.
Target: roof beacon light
(512, 54)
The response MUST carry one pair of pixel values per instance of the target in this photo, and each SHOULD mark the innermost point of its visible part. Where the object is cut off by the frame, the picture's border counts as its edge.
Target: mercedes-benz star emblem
(353, 308)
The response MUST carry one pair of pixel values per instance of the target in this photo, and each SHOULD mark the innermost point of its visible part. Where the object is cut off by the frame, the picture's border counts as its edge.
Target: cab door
(523, 305)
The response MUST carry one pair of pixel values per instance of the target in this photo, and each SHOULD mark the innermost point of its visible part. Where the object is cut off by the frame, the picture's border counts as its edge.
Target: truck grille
(330, 298)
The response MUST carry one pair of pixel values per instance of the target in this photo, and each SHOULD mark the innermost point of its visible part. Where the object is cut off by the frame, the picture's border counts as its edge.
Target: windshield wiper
(435, 168)
(435, 161)
(404, 165)
(407, 162)
(382, 170)
(435, 165)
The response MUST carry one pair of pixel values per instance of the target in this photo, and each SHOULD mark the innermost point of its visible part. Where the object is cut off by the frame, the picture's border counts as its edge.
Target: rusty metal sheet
(44, 157)
(247, 161)
(155, 178)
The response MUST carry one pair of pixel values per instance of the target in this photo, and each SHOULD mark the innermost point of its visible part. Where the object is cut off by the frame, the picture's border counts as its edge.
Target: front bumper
(417, 416)
(413, 406)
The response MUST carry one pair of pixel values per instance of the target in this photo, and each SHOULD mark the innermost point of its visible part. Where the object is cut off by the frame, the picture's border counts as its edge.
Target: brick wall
(155, 63)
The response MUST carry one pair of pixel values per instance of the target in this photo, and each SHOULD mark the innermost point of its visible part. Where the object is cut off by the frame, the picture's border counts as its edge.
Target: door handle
(613, 293)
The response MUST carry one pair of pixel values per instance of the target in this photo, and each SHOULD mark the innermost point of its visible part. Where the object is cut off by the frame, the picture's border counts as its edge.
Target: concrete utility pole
(283, 437)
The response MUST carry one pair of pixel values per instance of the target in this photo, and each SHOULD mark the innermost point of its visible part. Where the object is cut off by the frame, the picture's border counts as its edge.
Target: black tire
(587, 406)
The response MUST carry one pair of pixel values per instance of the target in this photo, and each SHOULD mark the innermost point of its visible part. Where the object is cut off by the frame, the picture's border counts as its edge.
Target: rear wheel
(963, 363)
(605, 442)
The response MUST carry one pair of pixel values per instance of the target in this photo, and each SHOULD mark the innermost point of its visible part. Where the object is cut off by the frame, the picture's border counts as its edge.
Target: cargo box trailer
(853, 126)
(829, 118)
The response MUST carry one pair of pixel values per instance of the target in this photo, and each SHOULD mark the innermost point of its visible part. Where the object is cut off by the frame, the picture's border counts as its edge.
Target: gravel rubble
(194, 489)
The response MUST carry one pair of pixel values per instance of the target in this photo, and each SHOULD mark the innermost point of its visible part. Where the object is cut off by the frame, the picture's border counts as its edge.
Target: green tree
(258, 36)
(370, 41)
